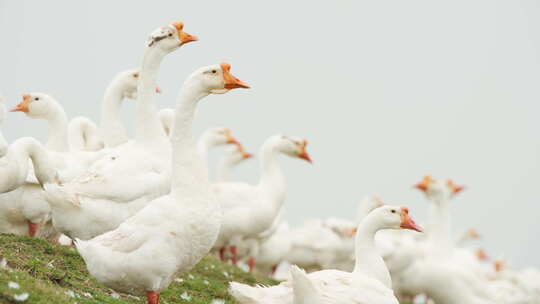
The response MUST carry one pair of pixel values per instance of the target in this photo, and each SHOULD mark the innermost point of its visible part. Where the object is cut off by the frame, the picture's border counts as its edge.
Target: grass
(50, 273)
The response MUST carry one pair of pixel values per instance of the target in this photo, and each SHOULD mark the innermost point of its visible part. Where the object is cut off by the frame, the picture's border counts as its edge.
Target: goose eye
(36, 98)
(136, 75)
(214, 71)
(170, 35)
(393, 211)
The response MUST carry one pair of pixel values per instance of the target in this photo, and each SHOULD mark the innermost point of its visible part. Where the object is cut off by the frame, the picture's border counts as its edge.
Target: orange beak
(23, 106)
(424, 184)
(303, 153)
(245, 155)
(183, 36)
(455, 188)
(230, 138)
(158, 90)
(231, 82)
(407, 222)
(481, 255)
(499, 265)
(473, 234)
(351, 232)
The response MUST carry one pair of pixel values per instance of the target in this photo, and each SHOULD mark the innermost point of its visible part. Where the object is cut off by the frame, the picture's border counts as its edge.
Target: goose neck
(223, 171)
(148, 128)
(439, 232)
(112, 129)
(271, 174)
(58, 129)
(189, 172)
(368, 261)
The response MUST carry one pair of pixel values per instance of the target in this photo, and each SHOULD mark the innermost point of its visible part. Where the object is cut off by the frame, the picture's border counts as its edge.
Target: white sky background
(385, 92)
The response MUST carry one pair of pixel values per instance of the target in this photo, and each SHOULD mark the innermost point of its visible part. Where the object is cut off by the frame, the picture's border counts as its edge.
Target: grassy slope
(49, 272)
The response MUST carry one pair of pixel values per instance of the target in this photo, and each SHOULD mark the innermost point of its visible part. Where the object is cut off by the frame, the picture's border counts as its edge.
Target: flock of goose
(141, 211)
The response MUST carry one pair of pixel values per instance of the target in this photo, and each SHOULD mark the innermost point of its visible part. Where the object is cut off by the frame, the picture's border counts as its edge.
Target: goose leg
(222, 254)
(274, 268)
(251, 263)
(152, 297)
(234, 254)
(32, 229)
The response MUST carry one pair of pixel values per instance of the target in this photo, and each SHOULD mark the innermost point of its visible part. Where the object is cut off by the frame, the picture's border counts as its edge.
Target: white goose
(119, 184)
(24, 209)
(83, 133)
(368, 283)
(249, 210)
(231, 158)
(169, 236)
(432, 267)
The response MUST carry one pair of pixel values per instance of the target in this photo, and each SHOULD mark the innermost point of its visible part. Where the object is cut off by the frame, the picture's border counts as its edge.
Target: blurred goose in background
(249, 210)
(83, 133)
(129, 176)
(232, 157)
(368, 283)
(146, 252)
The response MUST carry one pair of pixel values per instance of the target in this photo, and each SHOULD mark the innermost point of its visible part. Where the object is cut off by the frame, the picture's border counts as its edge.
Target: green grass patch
(50, 273)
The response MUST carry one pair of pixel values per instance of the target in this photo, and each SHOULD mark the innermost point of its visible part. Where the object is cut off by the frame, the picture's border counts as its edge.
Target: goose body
(172, 233)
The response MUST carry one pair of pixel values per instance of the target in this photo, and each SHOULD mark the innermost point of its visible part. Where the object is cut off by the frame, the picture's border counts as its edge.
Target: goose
(436, 271)
(249, 210)
(369, 282)
(213, 137)
(22, 204)
(83, 133)
(231, 158)
(439, 193)
(172, 233)
(128, 176)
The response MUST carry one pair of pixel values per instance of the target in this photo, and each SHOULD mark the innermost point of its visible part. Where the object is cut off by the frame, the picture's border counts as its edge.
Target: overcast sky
(385, 92)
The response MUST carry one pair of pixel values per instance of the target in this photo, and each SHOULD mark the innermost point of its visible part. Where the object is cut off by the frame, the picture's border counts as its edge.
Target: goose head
(127, 82)
(438, 189)
(36, 105)
(481, 255)
(294, 147)
(218, 137)
(169, 38)
(394, 217)
(214, 79)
